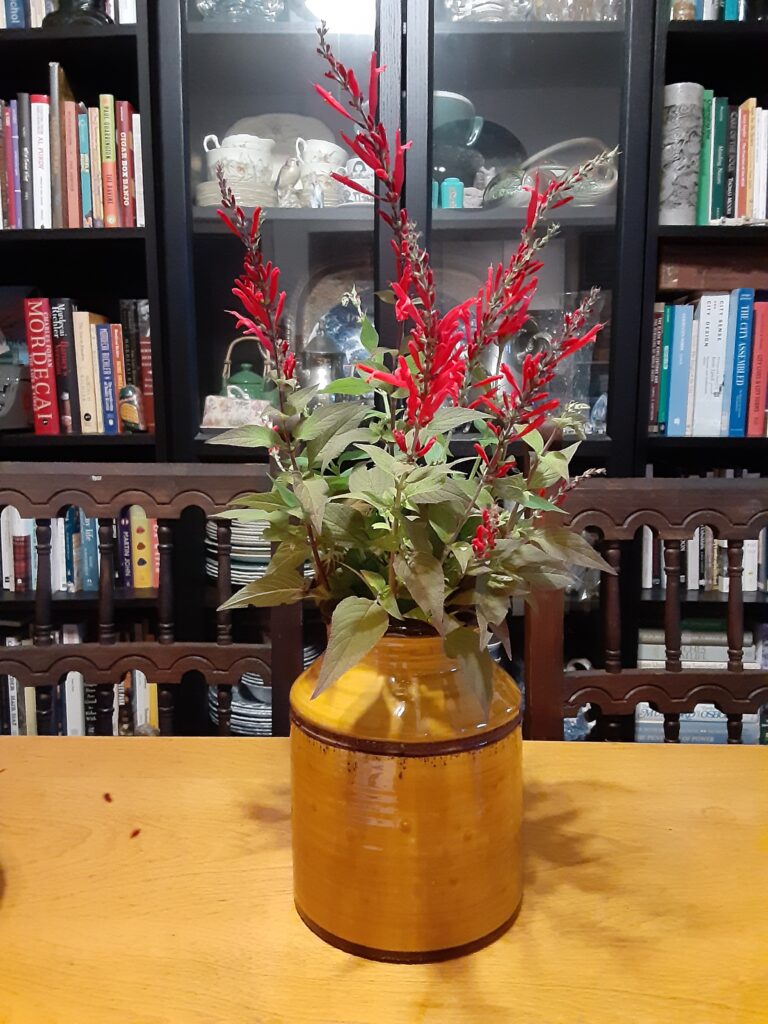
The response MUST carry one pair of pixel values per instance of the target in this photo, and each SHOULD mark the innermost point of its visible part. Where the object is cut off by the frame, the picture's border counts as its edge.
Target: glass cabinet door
(525, 88)
(251, 108)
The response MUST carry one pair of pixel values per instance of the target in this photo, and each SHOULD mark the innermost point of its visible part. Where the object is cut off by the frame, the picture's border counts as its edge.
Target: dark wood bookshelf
(657, 595)
(81, 599)
(70, 235)
(720, 30)
(71, 32)
(708, 233)
(75, 441)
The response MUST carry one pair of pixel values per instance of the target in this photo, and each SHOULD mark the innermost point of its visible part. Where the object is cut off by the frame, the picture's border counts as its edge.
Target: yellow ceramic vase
(407, 805)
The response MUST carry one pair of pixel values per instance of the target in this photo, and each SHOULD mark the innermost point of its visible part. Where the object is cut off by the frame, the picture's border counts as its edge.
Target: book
(710, 654)
(62, 328)
(71, 157)
(95, 361)
(737, 298)
(657, 337)
(682, 268)
(731, 160)
(60, 90)
(58, 556)
(692, 372)
(94, 139)
(2, 15)
(705, 160)
(86, 373)
(22, 558)
(124, 559)
(72, 550)
(741, 359)
(761, 164)
(719, 158)
(9, 204)
(84, 146)
(37, 315)
(107, 379)
(89, 551)
(154, 548)
(15, 14)
(682, 329)
(124, 116)
(751, 157)
(16, 165)
(118, 363)
(146, 377)
(138, 170)
(141, 554)
(25, 160)
(666, 351)
(109, 173)
(10, 525)
(130, 323)
(710, 370)
(74, 688)
(41, 159)
(4, 194)
(37, 12)
(758, 380)
(126, 12)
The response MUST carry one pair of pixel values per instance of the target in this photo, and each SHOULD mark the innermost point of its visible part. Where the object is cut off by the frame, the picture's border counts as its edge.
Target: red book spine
(22, 562)
(72, 166)
(758, 378)
(8, 157)
(126, 170)
(37, 317)
(147, 383)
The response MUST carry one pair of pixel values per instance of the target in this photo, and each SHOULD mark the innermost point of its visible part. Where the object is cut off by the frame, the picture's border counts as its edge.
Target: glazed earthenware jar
(407, 805)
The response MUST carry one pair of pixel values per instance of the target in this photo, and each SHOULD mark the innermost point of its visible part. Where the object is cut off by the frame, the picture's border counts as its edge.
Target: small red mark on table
(108, 798)
(136, 832)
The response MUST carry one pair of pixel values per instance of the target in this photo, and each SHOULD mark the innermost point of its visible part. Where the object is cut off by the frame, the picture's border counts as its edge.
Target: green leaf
(374, 580)
(357, 625)
(451, 417)
(300, 399)
(248, 437)
(339, 443)
(312, 496)
(269, 500)
(387, 296)
(570, 548)
(493, 604)
(462, 552)
(476, 665)
(423, 575)
(369, 336)
(535, 441)
(289, 555)
(345, 526)
(444, 519)
(384, 460)
(246, 515)
(370, 484)
(326, 420)
(347, 386)
(278, 586)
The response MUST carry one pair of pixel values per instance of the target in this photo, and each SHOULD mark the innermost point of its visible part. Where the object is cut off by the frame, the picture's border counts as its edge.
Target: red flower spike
(228, 222)
(373, 88)
(399, 437)
(344, 180)
(425, 448)
(482, 453)
(353, 86)
(332, 102)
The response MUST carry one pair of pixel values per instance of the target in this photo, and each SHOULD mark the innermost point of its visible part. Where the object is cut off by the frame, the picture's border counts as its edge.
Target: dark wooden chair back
(736, 510)
(165, 492)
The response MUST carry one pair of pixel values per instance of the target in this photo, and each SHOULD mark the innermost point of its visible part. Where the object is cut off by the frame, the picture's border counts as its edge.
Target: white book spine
(2, 16)
(692, 547)
(762, 556)
(763, 184)
(94, 140)
(710, 372)
(750, 564)
(140, 701)
(647, 570)
(126, 12)
(692, 373)
(109, 9)
(86, 384)
(710, 10)
(10, 523)
(30, 711)
(41, 161)
(15, 694)
(703, 653)
(36, 13)
(138, 171)
(74, 689)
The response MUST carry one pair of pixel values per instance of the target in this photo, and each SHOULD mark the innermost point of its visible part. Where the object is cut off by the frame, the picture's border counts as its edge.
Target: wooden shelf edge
(71, 234)
(19, 35)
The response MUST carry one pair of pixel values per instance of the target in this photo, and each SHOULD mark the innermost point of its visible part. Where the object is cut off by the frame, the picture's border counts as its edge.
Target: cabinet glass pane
(252, 108)
(513, 97)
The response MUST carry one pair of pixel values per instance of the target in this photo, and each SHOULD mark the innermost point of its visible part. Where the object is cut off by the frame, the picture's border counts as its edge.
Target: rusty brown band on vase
(388, 748)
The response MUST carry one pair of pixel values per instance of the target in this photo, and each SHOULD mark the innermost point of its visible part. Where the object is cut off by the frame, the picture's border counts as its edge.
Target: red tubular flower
(399, 437)
(332, 102)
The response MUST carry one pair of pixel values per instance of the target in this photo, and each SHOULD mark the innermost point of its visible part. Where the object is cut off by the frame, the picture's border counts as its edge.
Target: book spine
(109, 176)
(125, 163)
(126, 12)
(89, 551)
(154, 548)
(64, 364)
(710, 368)
(94, 138)
(86, 381)
(7, 157)
(657, 336)
(758, 381)
(140, 548)
(74, 217)
(56, 132)
(10, 522)
(110, 10)
(74, 689)
(646, 581)
(751, 154)
(107, 378)
(692, 560)
(124, 563)
(750, 570)
(719, 157)
(739, 386)
(15, 14)
(130, 321)
(41, 160)
(25, 161)
(731, 10)
(116, 332)
(36, 13)
(138, 170)
(3, 22)
(666, 365)
(37, 316)
(84, 146)
(730, 352)
(690, 400)
(96, 377)
(680, 367)
(22, 562)
(73, 566)
(731, 160)
(742, 161)
(705, 160)
(4, 193)
(146, 376)
(16, 162)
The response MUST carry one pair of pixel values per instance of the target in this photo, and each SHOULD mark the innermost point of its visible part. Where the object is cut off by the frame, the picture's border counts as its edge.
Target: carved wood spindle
(44, 710)
(224, 589)
(107, 632)
(611, 607)
(105, 707)
(672, 553)
(165, 625)
(672, 728)
(734, 728)
(735, 606)
(165, 709)
(43, 633)
(225, 708)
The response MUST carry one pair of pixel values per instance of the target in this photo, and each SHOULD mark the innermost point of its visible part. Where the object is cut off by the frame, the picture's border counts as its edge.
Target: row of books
(716, 10)
(75, 555)
(135, 708)
(87, 376)
(733, 162)
(30, 13)
(65, 165)
(709, 366)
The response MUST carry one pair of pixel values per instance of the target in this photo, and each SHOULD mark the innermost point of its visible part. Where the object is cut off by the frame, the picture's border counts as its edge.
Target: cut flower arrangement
(402, 535)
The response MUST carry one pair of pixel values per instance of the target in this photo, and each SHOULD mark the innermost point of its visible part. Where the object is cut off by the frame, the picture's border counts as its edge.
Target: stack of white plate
(250, 555)
(251, 709)
(250, 194)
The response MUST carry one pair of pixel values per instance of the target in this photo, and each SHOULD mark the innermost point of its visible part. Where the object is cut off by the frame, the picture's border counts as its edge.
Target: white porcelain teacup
(243, 157)
(319, 151)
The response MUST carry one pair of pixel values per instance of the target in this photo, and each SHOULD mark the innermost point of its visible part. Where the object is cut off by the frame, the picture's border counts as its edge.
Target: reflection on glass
(540, 10)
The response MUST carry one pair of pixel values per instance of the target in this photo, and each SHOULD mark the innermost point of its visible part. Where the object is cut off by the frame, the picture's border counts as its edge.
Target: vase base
(389, 956)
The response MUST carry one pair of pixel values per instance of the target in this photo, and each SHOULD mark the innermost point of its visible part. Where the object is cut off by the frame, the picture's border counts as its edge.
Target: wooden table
(148, 881)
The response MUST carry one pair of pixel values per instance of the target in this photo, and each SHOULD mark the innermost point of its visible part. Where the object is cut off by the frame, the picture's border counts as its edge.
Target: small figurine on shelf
(77, 12)
(287, 180)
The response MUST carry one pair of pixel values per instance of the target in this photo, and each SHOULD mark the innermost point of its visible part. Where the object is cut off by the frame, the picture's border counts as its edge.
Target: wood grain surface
(148, 881)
